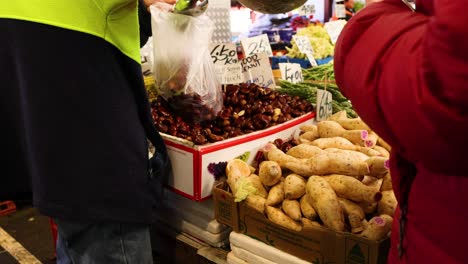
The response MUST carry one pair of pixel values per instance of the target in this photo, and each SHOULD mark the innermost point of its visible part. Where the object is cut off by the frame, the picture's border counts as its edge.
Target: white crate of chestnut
(251, 117)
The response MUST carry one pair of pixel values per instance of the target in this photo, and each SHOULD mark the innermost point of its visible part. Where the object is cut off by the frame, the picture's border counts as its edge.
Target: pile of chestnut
(247, 108)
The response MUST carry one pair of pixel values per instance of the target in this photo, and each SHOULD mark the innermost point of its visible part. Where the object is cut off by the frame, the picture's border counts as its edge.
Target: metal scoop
(192, 8)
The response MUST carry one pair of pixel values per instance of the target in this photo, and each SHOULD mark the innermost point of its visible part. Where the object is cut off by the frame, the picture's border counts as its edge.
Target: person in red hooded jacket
(407, 76)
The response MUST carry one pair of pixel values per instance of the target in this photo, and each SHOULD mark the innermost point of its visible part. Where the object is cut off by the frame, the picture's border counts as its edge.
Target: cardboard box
(190, 162)
(318, 245)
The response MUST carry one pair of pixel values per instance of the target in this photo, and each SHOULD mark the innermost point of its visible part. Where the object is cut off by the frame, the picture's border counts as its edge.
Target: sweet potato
(387, 183)
(309, 224)
(306, 208)
(308, 128)
(277, 216)
(269, 172)
(355, 154)
(368, 208)
(352, 189)
(256, 202)
(294, 186)
(325, 202)
(272, 153)
(236, 169)
(338, 116)
(385, 145)
(276, 194)
(334, 142)
(327, 129)
(388, 203)
(257, 184)
(342, 143)
(354, 213)
(378, 227)
(353, 124)
(371, 140)
(309, 135)
(292, 208)
(378, 166)
(372, 182)
(304, 151)
(328, 163)
(383, 152)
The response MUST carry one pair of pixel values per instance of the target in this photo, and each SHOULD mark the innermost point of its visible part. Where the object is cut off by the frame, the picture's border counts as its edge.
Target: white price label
(307, 10)
(256, 45)
(223, 54)
(312, 60)
(257, 69)
(303, 43)
(340, 10)
(232, 74)
(291, 72)
(323, 108)
(334, 29)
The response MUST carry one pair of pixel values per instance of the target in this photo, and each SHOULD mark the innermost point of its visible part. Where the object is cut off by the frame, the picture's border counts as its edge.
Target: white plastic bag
(183, 68)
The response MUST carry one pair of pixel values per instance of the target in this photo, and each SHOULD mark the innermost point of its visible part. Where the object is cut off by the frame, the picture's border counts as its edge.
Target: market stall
(264, 145)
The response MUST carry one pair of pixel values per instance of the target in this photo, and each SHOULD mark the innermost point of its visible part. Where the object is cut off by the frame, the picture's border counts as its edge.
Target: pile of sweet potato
(337, 177)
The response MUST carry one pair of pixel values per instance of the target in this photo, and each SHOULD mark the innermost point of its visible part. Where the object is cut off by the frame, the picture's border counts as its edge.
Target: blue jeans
(103, 243)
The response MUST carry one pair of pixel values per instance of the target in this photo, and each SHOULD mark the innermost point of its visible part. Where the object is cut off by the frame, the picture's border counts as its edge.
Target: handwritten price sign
(307, 10)
(257, 69)
(256, 45)
(323, 107)
(291, 72)
(224, 54)
(304, 45)
(334, 29)
(232, 74)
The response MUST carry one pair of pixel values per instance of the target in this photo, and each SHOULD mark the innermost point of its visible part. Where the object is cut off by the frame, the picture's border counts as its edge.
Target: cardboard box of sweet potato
(316, 245)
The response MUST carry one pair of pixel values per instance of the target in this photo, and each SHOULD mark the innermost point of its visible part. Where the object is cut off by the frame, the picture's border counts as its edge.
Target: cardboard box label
(304, 247)
(356, 252)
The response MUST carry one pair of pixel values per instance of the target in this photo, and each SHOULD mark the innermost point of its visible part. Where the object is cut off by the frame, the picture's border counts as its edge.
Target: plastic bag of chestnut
(183, 68)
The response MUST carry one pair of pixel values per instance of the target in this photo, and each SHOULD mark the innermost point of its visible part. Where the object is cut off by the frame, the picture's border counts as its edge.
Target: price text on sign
(232, 74)
(256, 45)
(334, 29)
(291, 72)
(323, 107)
(307, 10)
(340, 10)
(303, 43)
(257, 69)
(224, 54)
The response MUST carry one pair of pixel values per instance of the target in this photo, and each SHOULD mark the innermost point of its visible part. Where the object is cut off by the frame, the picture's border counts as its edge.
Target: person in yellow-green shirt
(75, 122)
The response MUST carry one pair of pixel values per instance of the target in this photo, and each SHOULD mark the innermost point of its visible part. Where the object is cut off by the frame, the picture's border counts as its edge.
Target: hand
(150, 2)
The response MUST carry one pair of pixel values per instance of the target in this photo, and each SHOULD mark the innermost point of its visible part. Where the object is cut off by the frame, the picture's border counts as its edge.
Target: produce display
(320, 77)
(320, 40)
(247, 108)
(335, 175)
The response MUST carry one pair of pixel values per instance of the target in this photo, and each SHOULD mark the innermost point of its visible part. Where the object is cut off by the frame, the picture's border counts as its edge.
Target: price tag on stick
(256, 45)
(257, 69)
(223, 54)
(307, 10)
(291, 72)
(340, 10)
(232, 74)
(334, 29)
(304, 45)
(323, 108)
